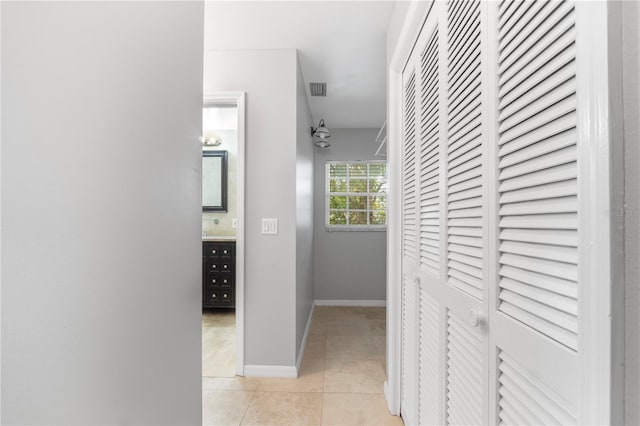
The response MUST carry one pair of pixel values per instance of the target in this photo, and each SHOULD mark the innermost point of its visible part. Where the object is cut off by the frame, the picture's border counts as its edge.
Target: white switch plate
(269, 226)
(234, 223)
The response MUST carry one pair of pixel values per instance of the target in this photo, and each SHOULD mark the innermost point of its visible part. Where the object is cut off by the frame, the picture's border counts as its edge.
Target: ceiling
(342, 43)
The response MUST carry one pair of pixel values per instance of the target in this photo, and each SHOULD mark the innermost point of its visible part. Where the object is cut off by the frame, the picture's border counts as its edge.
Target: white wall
(269, 79)
(631, 102)
(304, 210)
(348, 265)
(101, 260)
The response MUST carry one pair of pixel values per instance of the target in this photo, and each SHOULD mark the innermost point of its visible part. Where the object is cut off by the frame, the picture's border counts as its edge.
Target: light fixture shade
(321, 134)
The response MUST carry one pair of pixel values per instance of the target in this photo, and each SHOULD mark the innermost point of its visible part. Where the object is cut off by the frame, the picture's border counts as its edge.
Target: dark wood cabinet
(218, 274)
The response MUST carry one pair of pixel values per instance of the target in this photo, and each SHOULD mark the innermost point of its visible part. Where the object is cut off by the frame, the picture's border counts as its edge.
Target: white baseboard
(366, 303)
(303, 344)
(287, 371)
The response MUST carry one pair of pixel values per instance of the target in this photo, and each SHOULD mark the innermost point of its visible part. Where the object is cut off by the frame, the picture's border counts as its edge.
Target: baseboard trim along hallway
(364, 303)
(285, 371)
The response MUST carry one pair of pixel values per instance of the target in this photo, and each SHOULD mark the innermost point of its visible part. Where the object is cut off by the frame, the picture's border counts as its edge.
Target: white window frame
(327, 193)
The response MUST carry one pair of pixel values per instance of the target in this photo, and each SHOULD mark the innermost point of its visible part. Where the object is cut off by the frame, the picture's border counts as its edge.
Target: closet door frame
(599, 125)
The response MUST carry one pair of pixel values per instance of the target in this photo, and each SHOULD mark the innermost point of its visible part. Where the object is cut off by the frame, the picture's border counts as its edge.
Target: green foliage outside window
(357, 194)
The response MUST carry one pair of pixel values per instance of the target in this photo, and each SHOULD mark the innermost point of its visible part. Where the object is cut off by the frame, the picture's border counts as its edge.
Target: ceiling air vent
(318, 89)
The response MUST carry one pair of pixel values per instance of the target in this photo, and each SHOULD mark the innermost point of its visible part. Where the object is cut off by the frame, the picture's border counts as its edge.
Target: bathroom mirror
(214, 181)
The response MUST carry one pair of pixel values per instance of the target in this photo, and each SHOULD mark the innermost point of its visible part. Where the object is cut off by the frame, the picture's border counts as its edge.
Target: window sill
(355, 228)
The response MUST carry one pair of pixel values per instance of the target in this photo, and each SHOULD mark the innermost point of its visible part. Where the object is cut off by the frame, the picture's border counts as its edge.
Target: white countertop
(219, 238)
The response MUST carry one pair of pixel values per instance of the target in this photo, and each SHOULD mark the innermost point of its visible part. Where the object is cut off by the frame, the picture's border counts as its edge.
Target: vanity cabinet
(218, 274)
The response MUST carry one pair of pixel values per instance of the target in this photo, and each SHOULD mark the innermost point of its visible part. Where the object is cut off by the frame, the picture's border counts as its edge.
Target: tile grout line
(253, 395)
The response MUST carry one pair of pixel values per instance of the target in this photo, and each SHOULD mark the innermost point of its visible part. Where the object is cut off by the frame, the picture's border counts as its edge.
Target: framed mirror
(214, 181)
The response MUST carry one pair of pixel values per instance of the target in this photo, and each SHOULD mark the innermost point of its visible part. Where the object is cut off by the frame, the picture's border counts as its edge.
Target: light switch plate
(269, 226)
(234, 223)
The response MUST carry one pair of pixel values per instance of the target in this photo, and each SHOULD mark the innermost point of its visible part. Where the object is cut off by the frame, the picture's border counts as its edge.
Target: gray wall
(348, 265)
(269, 78)
(304, 210)
(101, 115)
(631, 101)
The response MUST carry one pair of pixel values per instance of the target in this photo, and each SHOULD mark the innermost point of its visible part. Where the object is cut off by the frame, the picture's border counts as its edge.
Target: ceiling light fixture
(321, 134)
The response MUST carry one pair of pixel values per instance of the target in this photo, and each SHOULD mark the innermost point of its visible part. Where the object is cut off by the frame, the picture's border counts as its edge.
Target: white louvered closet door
(445, 223)
(409, 246)
(535, 336)
(492, 293)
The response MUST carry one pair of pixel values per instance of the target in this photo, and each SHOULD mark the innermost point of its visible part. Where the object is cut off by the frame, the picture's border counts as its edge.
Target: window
(356, 195)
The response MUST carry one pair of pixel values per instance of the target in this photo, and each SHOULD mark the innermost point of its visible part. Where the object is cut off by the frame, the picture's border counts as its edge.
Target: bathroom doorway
(223, 145)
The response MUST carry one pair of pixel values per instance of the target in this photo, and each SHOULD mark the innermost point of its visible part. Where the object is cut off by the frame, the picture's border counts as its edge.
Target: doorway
(223, 143)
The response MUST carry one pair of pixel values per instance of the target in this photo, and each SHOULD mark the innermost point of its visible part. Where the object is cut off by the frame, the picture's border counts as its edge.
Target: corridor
(340, 381)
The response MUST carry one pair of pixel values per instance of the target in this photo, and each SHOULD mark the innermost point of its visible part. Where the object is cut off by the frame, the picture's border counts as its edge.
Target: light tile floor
(340, 381)
(218, 343)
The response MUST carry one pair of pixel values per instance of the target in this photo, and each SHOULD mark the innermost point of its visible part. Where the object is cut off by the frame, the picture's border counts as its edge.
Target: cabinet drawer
(216, 279)
(220, 296)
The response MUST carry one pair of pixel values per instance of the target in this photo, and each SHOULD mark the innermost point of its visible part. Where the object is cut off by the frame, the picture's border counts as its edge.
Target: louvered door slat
(430, 390)
(554, 237)
(553, 205)
(532, 61)
(546, 145)
(510, 14)
(462, 23)
(464, 373)
(430, 159)
(409, 348)
(519, 387)
(532, 105)
(547, 23)
(464, 153)
(550, 268)
(564, 304)
(561, 173)
(514, 32)
(554, 284)
(552, 190)
(538, 177)
(565, 123)
(409, 170)
(463, 72)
